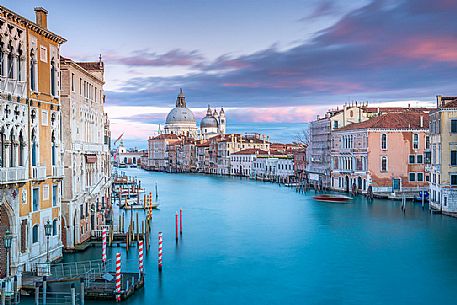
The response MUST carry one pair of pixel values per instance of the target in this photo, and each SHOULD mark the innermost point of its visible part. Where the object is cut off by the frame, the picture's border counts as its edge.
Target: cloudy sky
(264, 61)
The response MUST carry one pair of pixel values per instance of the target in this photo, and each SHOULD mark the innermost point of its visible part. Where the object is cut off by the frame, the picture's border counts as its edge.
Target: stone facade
(443, 148)
(87, 153)
(30, 140)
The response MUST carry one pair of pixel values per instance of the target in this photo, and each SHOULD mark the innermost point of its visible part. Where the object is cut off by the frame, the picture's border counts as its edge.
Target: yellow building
(443, 143)
(30, 142)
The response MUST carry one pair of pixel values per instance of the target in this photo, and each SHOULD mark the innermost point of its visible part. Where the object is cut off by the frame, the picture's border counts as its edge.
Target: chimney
(422, 121)
(41, 17)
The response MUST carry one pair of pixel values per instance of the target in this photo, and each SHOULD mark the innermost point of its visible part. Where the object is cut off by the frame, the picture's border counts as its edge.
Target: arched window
(35, 234)
(34, 148)
(10, 64)
(2, 147)
(33, 84)
(12, 150)
(19, 65)
(2, 67)
(53, 148)
(53, 78)
(54, 227)
(21, 149)
(384, 141)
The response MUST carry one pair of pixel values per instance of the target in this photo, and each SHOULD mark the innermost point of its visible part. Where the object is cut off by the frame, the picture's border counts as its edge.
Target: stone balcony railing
(15, 88)
(57, 171)
(13, 174)
(39, 172)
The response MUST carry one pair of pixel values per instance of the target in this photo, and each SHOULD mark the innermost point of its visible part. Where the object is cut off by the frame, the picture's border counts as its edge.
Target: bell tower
(222, 121)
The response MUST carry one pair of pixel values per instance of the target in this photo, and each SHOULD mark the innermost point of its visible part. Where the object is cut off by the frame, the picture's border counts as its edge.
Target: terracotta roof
(451, 104)
(96, 65)
(251, 151)
(393, 120)
(165, 137)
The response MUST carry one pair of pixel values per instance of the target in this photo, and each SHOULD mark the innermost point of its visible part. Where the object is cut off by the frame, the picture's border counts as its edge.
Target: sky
(266, 62)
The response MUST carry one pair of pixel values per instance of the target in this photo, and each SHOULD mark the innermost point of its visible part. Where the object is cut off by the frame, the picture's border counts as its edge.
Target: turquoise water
(248, 242)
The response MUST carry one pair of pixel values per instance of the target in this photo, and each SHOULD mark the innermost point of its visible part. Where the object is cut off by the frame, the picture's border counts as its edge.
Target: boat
(332, 198)
(419, 197)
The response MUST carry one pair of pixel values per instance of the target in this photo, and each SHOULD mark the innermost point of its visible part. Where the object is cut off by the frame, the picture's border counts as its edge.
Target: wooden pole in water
(160, 251)
(137, 228)
(176, 225)
(180, 221)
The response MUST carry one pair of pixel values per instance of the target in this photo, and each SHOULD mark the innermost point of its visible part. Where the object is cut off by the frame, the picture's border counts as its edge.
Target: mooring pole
(37, 293)
(160, 251)
(176, 225)
(73, 294)
(82, 292)
(180, 221)
(45, 288)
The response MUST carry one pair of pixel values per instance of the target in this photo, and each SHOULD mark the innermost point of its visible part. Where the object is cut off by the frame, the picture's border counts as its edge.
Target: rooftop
(393, 120)
(251, 151)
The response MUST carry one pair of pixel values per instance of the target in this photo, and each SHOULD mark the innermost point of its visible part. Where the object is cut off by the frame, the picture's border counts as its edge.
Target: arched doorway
(347, 184)
(359, 183)
(4, 226)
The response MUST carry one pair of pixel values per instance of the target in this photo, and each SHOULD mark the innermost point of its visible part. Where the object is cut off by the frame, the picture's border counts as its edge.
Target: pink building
(385, 152)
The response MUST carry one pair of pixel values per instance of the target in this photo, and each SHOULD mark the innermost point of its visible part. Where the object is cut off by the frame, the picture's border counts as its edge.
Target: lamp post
(7, 240)
(47, 232)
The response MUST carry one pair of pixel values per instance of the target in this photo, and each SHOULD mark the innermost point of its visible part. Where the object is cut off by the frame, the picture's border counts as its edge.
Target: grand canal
(247, 242)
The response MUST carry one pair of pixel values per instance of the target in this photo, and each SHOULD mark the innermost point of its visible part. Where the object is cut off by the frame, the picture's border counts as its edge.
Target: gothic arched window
(53, 78)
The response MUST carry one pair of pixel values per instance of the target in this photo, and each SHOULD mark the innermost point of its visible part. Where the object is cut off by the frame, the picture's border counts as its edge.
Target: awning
(91, 158)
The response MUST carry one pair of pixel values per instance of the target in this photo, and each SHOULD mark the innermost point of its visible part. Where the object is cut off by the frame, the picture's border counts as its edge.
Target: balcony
(57, 171)
(13, 174)
(39, 172)
(15, 88)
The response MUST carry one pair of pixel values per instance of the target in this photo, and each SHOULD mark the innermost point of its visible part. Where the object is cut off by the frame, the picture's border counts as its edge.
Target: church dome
(180, 115)
(209, 122)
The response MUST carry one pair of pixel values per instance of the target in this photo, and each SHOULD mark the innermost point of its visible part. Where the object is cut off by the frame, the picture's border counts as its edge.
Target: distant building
(212, 124)
(243, 160)
(386, 152)
(443, 142)
(180, 120)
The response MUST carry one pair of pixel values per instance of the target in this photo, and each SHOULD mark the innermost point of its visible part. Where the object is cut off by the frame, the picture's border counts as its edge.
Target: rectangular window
(428, 157)
(453, 126)
(72, 82)
(419, 159)
(335, 124)
(384, 141)
(45, 192)
(427, 178)
(35, 199)
(454, 179)
(427, 142)
(412, 159)
(44, 118)
(420, 177)
(54, 195)
(43, 54)
(415, 141)
(453, 157)
(412, 177)
(384, 164)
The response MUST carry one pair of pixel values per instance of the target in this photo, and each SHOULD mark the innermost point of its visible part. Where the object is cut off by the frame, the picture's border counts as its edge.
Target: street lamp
(7, 240)
(47, 232)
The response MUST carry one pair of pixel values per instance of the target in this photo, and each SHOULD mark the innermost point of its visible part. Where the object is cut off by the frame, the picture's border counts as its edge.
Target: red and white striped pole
(160, 251)
(180, 221)
(176, 222)
(140, 256)
(104, 245)
(118, 277)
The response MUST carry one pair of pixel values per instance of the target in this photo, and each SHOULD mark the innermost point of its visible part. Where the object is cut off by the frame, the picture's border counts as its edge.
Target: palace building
(31, 169)
(87, 154)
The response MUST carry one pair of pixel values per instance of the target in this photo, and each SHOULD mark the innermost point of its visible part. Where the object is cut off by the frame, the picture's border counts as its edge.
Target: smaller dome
(208, 122)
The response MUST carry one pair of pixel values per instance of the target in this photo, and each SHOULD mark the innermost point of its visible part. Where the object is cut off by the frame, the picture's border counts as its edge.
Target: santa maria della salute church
(181, 121)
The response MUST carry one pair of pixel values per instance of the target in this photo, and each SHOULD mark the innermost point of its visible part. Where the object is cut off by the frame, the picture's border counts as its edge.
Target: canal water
(247, 242)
